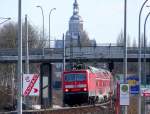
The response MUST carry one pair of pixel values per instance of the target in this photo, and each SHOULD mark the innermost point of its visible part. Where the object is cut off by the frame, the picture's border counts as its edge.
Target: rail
(91, 109)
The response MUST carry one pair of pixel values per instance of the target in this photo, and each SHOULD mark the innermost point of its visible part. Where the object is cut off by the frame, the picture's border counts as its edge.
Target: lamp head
(5, 18)
(38, 6)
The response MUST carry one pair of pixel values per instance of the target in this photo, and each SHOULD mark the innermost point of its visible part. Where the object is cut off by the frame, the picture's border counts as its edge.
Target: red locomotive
(89, 85)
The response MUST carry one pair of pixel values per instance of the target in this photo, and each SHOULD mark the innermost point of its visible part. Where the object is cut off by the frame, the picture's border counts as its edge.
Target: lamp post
(49, 23)
(6, 19)
(139, 56)
(43, 18)
(145, 22)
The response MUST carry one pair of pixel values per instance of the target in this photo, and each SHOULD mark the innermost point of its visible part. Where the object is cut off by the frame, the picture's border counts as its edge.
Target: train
(86, 85)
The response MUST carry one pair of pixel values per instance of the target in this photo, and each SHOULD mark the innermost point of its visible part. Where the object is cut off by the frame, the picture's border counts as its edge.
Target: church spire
(75, 8)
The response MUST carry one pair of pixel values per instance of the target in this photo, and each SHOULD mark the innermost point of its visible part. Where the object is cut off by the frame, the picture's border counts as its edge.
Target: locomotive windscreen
(74, 77)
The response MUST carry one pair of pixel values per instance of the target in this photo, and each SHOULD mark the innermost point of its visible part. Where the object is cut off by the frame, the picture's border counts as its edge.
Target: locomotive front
(75, 87)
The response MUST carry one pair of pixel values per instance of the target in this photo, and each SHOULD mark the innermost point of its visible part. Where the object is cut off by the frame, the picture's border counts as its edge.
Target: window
(80, 77)
(75, 77)
(69, 77)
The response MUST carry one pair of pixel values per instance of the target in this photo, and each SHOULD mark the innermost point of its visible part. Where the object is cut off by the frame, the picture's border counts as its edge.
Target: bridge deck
(100, 53)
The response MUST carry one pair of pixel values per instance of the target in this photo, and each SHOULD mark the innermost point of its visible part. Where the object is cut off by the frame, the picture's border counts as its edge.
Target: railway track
(103, 108)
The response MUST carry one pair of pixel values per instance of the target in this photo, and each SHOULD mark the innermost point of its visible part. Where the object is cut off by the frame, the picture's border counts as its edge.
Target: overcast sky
(103, 19)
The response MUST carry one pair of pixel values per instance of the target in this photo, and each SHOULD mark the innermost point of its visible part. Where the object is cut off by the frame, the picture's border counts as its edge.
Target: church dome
(76, 18)
(76, 22)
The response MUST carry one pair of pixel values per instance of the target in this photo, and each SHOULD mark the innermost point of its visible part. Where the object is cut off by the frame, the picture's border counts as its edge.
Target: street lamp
(43, 18)
(145, 46)
(139, 56)
(49, 23)
(145, 52)
(6, 19)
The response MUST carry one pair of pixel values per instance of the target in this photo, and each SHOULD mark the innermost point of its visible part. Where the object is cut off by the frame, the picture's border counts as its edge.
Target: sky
(103, 19)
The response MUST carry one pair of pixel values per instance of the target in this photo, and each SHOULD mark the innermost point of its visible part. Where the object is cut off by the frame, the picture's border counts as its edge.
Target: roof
(102, 72)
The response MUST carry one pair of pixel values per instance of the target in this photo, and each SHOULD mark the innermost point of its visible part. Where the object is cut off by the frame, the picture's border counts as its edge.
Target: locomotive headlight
(85, 89)
(66, 90)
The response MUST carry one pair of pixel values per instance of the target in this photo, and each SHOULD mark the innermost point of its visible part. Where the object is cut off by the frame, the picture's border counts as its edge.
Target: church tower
(76, 22)
(75, 25)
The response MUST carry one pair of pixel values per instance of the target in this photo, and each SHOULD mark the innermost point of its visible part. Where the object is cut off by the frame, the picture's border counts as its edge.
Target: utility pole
(19, 78)
(27, 46)
(125, 46)
(71, 51)
(27, 55)
(64, 54)
(125, 42)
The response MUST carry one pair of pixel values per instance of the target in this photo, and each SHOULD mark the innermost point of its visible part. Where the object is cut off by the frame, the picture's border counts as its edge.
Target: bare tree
(128, 41)
(120, 39)
(8, 39)
(79, 39)
(33, 36)
(8, 35)
(134, 43)
(84, 39)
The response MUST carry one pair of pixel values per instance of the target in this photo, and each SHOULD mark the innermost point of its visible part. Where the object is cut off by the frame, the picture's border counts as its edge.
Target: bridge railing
(106, 52)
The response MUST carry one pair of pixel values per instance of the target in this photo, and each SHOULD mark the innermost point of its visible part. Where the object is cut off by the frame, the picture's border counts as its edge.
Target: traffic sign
(124, 94)
(31, 85)
(133, 82)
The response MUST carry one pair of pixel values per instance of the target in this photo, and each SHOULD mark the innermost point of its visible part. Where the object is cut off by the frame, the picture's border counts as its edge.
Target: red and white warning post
(31, 85)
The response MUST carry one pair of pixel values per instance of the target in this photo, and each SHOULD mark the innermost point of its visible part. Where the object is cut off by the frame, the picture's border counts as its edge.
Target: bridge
(90, 54)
